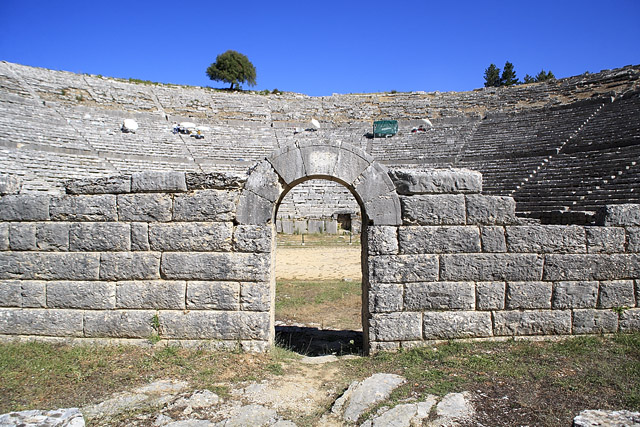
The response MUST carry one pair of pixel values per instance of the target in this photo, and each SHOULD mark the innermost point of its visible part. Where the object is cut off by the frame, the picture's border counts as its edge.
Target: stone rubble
(606, 418)
(167, 403)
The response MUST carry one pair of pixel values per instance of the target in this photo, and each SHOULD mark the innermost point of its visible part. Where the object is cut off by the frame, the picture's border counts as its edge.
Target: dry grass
(326, 304)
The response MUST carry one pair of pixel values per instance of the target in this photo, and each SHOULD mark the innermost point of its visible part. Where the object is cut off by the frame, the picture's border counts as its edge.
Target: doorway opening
(318, 300)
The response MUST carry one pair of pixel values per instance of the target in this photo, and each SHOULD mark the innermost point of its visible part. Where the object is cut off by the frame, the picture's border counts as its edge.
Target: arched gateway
(367, 180)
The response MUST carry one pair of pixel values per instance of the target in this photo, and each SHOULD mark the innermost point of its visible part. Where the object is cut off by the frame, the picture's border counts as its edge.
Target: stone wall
(188, 257)
(462, 265)
(151, 255)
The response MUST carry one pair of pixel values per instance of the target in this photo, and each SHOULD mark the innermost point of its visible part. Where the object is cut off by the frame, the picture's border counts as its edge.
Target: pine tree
(492, 76)
(508, 75)
(529, 79)
(543, 76)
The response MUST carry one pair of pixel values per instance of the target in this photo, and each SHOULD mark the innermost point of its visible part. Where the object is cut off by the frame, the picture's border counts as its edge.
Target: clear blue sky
(320, 48)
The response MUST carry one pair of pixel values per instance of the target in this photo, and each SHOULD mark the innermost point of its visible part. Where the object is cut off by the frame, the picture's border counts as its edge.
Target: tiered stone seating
(584, 174)
(566, 144)
(317, 198)
(48, 170)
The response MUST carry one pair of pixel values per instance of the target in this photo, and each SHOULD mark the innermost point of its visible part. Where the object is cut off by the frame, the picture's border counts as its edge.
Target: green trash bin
(385, 128)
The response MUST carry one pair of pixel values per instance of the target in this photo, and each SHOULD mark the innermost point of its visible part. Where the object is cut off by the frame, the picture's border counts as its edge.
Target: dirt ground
(319, 263)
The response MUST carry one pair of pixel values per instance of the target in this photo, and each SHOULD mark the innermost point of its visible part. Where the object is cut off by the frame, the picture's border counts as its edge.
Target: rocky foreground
(307, 397)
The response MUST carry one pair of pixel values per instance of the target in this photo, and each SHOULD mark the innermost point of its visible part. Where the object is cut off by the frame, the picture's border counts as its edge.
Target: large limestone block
(439, 239)
(80, 294)
(264, 181)
(630, 320)
(205, 205)
(382, 240)
(491, 267)
(129, 265)
(383, 210)
(190, 236)
(10, 184)
(22, 236)
(52, 236)
(440, 296)
(373, 182)
(351, 163)
(320, 160)
(156, 182)
(620, 215)
(459, 324)
(140, 236)
(438, 209)
(532, 322)
(214, 181)
(403, 268)
(254, 210)
(23, 293)
(99, 236)
(385, 297)
(605, 240)
(528, 295)
(222, 325)
(490, 295)
(395, 326)
(289, 165)
(490, 210)
(616, 293)
(47, 322)
(84, 208)
(255, 296)
(151, 294)
(493, 239)
(144, 207)
(216, 266)
(253, 238)
(591, 267)
(546, 239)
(204, 295)
(105, 185)
(576, 294)
(119, 323)
(633, 239)
(436, 181)
(589, 321)
(4, 236)
(24, 207)
(49, 265)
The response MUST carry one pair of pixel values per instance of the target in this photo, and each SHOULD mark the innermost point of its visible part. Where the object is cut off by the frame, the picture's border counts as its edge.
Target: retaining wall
(188, 257)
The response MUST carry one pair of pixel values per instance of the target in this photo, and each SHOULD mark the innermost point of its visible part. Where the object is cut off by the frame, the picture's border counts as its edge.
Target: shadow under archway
(311, 341)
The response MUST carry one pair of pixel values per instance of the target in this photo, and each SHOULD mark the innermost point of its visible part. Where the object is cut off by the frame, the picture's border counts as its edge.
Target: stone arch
(270, 180)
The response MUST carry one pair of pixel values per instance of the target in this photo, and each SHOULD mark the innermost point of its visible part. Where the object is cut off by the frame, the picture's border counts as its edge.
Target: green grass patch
(44, 375)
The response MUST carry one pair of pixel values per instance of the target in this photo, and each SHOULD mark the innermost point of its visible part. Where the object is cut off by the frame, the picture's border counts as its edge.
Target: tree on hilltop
(543, 76)
(234, 68)
(508, 77)
(492, 76)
